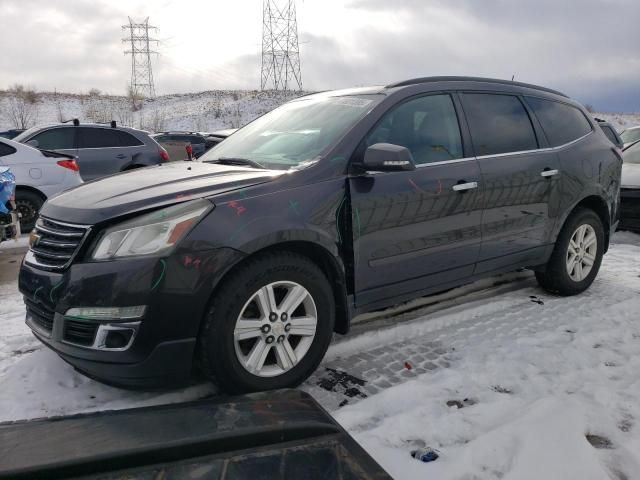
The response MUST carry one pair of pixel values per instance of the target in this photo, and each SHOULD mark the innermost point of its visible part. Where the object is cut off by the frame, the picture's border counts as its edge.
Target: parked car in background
(630, 191)
(101, 150)
(331, 205)
(197, 141)
(611, 133)
(39, 174)
(630, 135)
(214, 138)
(11, 133)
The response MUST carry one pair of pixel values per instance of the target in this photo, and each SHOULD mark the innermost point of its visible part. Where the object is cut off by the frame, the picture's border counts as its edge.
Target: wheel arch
(331, 266)
(598, 205)
(29, 188)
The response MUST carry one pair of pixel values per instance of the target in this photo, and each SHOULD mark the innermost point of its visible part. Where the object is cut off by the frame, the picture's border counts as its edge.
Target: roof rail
(416, 81)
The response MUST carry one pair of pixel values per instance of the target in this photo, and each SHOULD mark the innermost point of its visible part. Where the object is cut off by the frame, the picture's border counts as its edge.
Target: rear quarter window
(127, 140)
(560, 122)
(6, 150)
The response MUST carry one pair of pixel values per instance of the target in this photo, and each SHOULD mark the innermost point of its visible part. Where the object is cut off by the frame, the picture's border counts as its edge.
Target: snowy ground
(539, 386)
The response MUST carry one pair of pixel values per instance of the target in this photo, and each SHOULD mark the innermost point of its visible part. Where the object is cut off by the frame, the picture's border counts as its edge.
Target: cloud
(586, 48)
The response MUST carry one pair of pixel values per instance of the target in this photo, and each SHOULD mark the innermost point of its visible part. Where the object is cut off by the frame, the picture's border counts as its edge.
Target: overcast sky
(590, 49)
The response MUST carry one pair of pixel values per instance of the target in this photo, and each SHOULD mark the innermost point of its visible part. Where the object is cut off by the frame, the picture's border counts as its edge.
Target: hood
(630, 175)
(150, 187)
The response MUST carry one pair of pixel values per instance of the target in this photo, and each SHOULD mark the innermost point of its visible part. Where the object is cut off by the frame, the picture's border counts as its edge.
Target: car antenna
(113, 124)
(513, 76)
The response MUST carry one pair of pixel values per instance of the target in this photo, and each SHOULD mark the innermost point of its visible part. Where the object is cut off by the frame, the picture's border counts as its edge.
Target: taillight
(70, 164)
(163, 154)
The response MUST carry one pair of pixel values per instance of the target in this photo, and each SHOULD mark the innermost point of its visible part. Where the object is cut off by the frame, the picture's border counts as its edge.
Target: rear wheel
(269, 325)
(28, 204)
(577, 255)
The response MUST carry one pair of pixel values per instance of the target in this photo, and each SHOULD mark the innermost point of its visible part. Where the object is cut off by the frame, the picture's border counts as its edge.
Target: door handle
(549, 173)
(121, 156)
(461, 187)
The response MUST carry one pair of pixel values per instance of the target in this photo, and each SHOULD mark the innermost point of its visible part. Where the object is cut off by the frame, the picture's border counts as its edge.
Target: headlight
(153, 233)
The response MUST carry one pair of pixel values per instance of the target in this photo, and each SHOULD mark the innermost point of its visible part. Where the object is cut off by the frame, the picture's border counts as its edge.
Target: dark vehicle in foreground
(197, 141)
(331, 205)
(276, 435)
(630, 191)
(630, 135)
(9, 134)
(100, 149)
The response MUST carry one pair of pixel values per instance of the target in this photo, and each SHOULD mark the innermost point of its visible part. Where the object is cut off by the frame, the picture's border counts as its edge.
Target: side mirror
(387, 157)
(33, 143)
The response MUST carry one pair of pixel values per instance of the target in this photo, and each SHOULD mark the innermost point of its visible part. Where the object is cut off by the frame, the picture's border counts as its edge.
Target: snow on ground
(544, 382)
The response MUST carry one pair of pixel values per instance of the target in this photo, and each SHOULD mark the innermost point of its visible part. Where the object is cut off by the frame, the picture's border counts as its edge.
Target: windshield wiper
(238, 161)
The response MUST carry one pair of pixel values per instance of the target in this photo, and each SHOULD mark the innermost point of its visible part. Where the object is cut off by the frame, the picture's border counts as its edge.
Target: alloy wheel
(275, 328)
(581, 253)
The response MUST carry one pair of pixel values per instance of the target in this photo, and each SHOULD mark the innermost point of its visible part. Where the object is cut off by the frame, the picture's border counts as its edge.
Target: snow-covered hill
(204, 111)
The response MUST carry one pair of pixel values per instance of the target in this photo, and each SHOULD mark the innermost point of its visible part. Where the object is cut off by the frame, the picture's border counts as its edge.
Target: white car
(630, 135)
(630, 188)
(40, 174)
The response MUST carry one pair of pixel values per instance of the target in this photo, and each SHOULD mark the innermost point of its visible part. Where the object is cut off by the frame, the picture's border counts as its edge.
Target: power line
(280, 48)
(141, 73)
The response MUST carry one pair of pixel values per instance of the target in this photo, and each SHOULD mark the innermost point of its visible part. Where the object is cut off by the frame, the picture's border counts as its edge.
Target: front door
(100, 153)
(416, 231)
(520, 181)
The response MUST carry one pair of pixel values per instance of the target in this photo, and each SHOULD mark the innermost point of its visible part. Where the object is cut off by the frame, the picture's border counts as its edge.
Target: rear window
(6, 150)
(561, 123)
(97, 138)
(498, 123)
(127, 140)
(55, 139)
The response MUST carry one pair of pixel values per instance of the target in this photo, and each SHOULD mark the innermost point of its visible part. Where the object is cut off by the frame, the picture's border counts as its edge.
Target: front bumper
(629, 209)
(175, 292)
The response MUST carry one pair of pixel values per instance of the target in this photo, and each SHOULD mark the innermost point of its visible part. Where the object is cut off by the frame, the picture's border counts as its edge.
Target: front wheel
(269, 325)
(28, 204)
(577, 255)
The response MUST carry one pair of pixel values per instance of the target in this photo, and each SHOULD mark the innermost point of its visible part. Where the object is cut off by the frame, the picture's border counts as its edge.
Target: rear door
(520, 179)
(99, 152)
(415, 231)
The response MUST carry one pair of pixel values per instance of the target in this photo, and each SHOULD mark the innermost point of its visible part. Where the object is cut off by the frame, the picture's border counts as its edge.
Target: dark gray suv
(333, 205)
(101, 149)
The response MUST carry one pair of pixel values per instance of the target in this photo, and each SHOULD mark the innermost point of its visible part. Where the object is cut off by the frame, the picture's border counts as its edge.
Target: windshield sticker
(351, 101)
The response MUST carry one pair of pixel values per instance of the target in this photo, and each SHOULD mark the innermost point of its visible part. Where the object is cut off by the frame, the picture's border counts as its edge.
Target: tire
(557, 278)
(28, 204)
(226, 359)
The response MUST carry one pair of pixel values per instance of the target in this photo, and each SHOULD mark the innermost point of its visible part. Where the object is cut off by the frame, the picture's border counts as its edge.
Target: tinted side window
(97, 138)
(498, 123)
(127, 140)
(427, 126)
(55, 139)
(6, 150)
(611, 135)
(561, 123)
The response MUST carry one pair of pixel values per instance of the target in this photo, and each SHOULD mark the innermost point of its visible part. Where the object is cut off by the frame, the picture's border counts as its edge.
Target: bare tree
(22, 108)
(589, 108)
(135, 98)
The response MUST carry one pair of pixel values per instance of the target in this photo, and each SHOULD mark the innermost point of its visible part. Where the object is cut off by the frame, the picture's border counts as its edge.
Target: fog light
(118, 339)
(106, 313)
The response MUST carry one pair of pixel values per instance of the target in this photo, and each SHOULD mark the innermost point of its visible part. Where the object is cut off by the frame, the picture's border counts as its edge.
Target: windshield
(294, 133)
(630, 135)
(632, 154)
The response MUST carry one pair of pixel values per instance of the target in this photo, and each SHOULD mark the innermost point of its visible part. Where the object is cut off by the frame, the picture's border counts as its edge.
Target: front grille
(80, 333)
(56, 244)
(40, 315)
